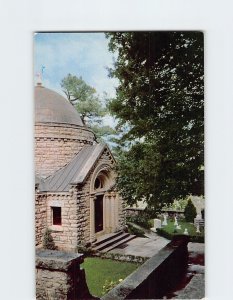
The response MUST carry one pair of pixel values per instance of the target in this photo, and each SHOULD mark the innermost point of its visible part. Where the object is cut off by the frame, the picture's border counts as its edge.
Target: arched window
(98, 183)
(101, 180)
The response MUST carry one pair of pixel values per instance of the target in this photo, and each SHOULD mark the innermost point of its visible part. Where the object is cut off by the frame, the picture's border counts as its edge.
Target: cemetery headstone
(186, 231)
(157, 224)
(165, 220)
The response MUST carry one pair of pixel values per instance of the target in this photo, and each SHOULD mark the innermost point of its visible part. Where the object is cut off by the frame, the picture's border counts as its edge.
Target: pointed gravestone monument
(157, 224)
(165, 220)
(198, 229)
(186, 231)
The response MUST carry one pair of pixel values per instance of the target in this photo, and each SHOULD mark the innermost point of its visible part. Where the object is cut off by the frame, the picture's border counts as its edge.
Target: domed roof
(50, 107)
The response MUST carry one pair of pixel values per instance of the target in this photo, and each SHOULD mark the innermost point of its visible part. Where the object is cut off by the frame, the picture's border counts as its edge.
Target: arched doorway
(99, 213)
(103, 203)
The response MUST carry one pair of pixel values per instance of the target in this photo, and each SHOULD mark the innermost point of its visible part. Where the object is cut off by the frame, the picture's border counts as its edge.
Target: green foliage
(160, 108)
(85, 248)
(169, 231)
(134, 230)
(141, 219)
(176, 205)
(98, 271)
(103, 131)
(48, 242)
(88, 104)
(190, 211)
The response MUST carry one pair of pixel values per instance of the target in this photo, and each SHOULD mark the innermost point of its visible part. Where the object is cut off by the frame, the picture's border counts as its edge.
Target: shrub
(190, 212)
(122, 257)
(135, 230)
(141, 219)
(48, 242)
(85, 248)
(169, 236)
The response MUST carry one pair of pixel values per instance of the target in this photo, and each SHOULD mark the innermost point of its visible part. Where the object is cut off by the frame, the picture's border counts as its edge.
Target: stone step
(111, 241)
(106, 238)
(127, 239)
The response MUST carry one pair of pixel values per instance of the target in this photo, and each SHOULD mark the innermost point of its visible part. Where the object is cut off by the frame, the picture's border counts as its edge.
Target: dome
(50, 107)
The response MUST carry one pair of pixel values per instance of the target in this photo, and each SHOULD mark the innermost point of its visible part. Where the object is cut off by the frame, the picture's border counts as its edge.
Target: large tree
(160, 100)
(85, 99)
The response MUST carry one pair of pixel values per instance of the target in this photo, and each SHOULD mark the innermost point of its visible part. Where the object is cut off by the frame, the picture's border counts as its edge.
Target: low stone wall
(157, 275)
(58, 276)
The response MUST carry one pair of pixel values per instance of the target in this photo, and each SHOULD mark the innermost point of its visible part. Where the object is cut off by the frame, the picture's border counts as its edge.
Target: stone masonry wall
(40, 217)
(122, 212)
(64, 235)
(56, 145)
(75, 218)
(75, 209)
(58, 276)
(83, 195)
(83, 200)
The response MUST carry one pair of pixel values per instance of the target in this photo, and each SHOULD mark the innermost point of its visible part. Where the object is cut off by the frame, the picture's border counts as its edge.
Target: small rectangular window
(56, 215)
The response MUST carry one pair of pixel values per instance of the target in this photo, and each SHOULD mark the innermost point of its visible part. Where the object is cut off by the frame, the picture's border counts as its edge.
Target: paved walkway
(145, 247)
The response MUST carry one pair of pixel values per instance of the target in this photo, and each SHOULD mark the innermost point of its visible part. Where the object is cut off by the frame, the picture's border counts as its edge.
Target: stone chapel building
(75, 193)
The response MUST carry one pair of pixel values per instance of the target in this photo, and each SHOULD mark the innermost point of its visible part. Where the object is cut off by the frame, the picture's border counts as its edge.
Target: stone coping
(57, 260)
(140, 275)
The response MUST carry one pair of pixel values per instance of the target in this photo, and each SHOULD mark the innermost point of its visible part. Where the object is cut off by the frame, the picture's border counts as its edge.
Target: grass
(101, 271)
(168, 231)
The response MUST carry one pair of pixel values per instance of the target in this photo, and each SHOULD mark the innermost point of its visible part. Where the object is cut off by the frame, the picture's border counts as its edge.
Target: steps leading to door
(111, 241)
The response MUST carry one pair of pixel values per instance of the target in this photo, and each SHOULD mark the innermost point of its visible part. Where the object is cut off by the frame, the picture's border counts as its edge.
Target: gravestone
(157, 224)
(186, 231)
(165, 220)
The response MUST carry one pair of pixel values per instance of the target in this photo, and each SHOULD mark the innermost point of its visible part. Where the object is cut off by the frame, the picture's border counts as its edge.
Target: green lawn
(168, 231)
(98, 271)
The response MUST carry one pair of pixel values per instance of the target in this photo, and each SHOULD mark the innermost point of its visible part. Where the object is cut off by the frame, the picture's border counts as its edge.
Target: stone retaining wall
(157, 275)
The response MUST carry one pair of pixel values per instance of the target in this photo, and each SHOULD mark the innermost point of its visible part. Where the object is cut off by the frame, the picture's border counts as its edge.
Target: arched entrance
(99, 213)
(104, 207)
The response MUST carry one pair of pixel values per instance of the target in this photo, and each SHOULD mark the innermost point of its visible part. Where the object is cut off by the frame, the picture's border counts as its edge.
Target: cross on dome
(38, 79)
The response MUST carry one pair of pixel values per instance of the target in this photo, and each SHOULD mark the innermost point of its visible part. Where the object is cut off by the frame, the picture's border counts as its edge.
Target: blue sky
(81, 54)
